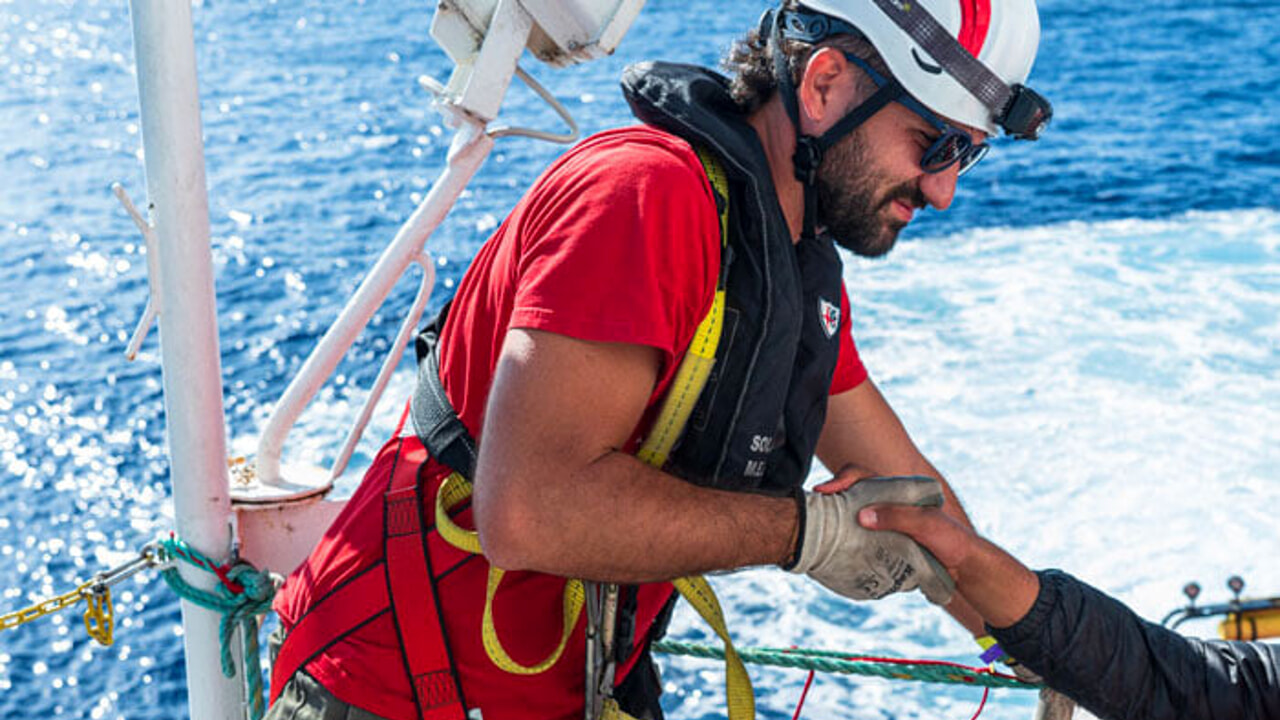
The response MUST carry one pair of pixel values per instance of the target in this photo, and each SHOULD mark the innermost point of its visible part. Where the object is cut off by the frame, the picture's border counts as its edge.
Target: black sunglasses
(952, 145)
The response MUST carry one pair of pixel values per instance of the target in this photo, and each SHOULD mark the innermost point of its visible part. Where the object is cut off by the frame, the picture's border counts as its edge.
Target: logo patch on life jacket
(829, 313)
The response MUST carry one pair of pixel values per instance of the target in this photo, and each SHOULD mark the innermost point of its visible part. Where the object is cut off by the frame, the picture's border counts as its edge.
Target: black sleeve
(1095, 650)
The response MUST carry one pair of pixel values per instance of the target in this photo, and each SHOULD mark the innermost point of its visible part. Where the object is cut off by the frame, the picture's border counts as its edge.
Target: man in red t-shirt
(564, 336)
(614, 249)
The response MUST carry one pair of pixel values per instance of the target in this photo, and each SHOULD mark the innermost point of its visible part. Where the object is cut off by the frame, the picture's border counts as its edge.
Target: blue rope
(237, 610)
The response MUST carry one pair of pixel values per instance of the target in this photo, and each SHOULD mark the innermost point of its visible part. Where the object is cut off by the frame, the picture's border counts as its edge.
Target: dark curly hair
(750, 63)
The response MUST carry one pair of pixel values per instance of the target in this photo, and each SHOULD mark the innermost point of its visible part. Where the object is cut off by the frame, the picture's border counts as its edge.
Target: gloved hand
(863, 564)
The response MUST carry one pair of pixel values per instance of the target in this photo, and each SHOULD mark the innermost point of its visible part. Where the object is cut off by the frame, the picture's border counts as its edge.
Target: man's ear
(824, 93)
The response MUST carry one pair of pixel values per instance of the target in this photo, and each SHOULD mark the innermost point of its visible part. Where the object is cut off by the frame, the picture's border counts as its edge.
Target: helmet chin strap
(809, 148)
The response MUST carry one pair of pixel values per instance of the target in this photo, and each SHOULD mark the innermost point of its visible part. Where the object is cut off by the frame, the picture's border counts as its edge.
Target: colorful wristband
(991, 651)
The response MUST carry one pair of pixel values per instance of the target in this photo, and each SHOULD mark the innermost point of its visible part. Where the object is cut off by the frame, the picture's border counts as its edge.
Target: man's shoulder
(638, 153)
(638, 139)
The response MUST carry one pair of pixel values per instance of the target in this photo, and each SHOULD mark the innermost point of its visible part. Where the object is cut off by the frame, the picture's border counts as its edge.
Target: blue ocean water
(1087, 343)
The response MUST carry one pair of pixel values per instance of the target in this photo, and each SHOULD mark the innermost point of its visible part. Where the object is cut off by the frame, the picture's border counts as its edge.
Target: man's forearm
(619, 520)
(554, 493)
(995, 585)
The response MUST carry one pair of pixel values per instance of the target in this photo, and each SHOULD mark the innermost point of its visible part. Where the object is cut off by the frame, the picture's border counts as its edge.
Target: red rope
(985, 692)
(220, 570)
(803, 694)
(982, 704)
(935, 663)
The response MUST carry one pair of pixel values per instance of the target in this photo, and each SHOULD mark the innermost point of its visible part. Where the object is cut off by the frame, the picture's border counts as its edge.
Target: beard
(849, 207)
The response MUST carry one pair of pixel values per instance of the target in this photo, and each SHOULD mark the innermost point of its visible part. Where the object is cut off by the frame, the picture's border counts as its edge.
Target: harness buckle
(601, 661)
(807, 158)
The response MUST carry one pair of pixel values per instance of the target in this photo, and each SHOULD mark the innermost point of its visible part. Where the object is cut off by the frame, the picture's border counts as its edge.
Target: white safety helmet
(1002, 34)
(964, 60)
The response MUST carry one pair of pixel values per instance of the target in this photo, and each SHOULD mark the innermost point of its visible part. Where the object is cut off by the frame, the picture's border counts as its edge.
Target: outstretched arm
(1089, 646)
(555, 492)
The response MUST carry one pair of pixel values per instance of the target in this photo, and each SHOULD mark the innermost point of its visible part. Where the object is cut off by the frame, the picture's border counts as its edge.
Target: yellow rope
(453, 491)
(741, 697)
(690, 378)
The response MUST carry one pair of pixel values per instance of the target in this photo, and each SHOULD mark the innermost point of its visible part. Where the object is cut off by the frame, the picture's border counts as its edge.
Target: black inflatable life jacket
(758, 420)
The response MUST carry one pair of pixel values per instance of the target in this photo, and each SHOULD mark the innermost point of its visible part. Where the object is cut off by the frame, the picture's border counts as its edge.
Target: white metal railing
(471, 145)
(181, 273)
(485, 38)
(388, 366)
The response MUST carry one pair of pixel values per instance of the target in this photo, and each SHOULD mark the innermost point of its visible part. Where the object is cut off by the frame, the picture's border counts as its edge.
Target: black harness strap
(434, 419)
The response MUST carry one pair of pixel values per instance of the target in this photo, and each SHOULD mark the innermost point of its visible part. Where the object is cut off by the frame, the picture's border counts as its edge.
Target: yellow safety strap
(690, 378)
(678, 404)
(696, 366)
(741, 697)
(453, 491)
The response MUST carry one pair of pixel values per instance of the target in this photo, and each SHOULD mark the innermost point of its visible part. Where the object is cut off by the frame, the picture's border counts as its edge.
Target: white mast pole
(164, 44)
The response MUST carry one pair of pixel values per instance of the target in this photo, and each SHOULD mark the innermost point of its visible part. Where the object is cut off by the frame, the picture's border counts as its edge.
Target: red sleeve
(850, 372)
(620, 243)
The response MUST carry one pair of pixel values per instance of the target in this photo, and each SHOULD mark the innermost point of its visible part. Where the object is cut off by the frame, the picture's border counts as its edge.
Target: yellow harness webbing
(691, 376)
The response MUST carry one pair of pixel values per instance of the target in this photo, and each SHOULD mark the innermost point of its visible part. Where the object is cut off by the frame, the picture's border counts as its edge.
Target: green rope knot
(239, 610)
(259, 587)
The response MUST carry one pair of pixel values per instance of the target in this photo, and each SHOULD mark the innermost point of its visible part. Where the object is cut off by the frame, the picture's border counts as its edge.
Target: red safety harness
(402, 584)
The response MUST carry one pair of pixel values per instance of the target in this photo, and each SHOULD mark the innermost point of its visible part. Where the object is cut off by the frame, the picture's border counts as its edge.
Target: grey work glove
(865, 564)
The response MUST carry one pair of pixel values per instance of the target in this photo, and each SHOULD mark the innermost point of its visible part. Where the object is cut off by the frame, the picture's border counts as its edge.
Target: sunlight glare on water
(1086, 344)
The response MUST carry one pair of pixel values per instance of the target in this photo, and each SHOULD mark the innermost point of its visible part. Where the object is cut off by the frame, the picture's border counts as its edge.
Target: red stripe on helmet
(975, 20)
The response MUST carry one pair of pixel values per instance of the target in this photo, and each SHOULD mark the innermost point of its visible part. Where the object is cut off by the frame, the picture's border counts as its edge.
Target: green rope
(238, 610)
(840, 662)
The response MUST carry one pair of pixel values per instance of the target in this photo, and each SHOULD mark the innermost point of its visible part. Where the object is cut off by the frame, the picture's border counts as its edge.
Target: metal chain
(42, 608)
(243, 593)
(99, 614)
